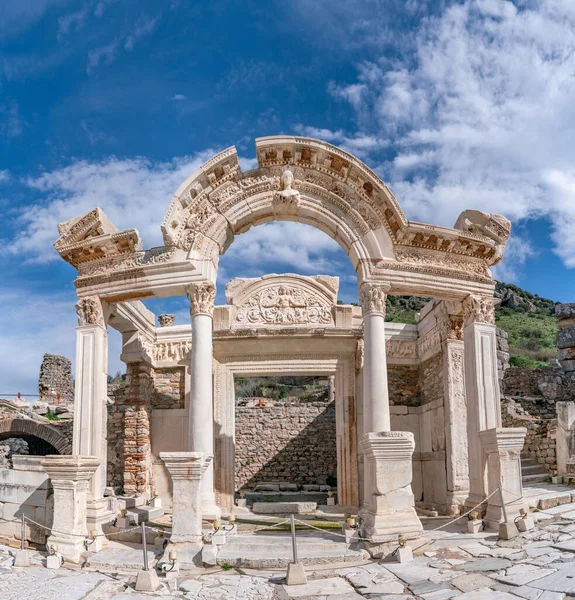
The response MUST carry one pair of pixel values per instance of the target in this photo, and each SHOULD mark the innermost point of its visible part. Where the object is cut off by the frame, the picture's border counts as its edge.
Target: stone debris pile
(9, 448)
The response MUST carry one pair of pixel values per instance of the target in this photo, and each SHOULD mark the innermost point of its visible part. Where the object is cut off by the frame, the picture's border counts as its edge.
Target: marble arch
(312, 182)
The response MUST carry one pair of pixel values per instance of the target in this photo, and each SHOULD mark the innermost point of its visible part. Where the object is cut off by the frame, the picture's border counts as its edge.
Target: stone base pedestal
(70, 476)
(98, 515)
(186, 470)
(502, 447)
(296, 574)
(389, 506)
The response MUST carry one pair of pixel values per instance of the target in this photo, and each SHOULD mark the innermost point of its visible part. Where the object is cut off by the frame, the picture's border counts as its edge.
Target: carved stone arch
(44, 432)
(331, 190)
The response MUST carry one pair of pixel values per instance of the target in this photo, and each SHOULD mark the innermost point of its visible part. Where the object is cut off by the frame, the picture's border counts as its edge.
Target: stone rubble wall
(56, 379)
(541, 438)
(502, 352)
(285, 440)
(169, 388)
(404, 385)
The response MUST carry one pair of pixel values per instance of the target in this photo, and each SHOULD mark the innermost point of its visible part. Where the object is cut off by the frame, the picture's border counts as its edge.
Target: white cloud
(72, 22)
(19, 15)
(5, 176)
(480, 114)
(105, 54)
(143, 27)
(359, 144)
(133, 193)
(26, 333)
(179, 97)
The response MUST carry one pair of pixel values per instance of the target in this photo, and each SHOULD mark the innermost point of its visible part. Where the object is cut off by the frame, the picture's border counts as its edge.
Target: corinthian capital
(90, 311)
(479, 309)
(372, 297)
(450, 320)
(201, 297)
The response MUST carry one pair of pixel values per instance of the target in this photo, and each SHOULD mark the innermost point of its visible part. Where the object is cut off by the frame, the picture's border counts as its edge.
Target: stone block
(330, 501)
(241, 503)
(267, 487)
(219, 538)
(525, 524)
(210, 555)
(54, 561)
(565, 311)
(310, 487)
(319, 588)
(22, 558)
(147, 581)
(288, 508)
(508, 531)
(566, 337)
(474, 526)
(289, 487)
(545, 503)
(296, 574)
(404, 554)
(471, 581)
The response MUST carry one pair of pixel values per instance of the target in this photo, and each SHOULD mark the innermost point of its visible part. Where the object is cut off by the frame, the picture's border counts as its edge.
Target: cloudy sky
(455, 104)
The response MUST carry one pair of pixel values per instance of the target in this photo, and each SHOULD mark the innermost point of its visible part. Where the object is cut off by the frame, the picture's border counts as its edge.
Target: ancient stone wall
(285, 440)
(431, 379)
(115, 424)
(169, 388)
(541, 438)
(56, 379)
(403, 382)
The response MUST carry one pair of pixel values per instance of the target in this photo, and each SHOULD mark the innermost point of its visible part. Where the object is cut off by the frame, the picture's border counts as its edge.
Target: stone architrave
(91, 394)
(481, 387)
(389, 509)
(186, 470)
(70, 477)
(451, 331)
(502, 447)
(201, 412)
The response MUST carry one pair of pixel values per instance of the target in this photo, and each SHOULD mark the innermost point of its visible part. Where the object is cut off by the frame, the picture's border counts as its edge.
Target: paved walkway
(539, 565)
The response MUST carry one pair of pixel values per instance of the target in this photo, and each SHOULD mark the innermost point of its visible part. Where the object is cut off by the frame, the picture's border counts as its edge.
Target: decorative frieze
(201, 297)
(287, 196)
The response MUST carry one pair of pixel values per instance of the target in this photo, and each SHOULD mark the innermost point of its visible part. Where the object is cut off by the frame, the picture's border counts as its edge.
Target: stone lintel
(63, 470)
(503, 439)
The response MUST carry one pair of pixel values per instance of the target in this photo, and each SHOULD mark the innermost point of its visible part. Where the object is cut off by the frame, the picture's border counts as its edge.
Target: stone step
(144, 513)
(534, 470)
(261, 552)
(538, 478)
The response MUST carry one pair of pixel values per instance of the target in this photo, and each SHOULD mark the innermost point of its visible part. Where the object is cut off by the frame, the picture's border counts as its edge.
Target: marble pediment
(282, 300)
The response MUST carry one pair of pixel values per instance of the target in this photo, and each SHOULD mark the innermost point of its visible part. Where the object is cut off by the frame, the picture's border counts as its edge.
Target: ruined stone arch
(47, 433)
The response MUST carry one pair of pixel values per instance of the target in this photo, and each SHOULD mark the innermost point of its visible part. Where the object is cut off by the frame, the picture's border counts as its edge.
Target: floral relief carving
(284, 305)
(90, 312)
(373, 297)
(479, 309)
(201, 297)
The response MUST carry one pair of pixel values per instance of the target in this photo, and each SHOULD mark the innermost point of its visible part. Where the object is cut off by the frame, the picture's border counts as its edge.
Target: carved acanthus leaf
(373, 297)
(201, 296)
(479, 309)
(90, 311)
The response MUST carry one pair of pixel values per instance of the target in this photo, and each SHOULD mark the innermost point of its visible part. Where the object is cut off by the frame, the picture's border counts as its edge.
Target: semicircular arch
(44, 432)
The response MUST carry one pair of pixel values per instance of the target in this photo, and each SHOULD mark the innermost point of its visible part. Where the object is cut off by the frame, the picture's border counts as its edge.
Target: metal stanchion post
(22, 559)
(146, 566)
(147, 580)
(295, 571)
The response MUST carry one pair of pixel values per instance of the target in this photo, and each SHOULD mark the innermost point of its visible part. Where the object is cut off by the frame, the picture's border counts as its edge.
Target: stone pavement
(538, 565)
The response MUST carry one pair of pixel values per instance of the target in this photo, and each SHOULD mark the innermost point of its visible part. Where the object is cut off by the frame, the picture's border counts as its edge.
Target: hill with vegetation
(528, 319)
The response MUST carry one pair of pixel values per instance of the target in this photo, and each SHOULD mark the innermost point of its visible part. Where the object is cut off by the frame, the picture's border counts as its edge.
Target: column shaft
(201, 411)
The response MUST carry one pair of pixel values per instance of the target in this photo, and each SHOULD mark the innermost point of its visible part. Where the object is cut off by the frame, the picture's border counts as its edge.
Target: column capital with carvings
(90, 311)
(479, 309)
(373, 298)
(449, 316)
(201, 297)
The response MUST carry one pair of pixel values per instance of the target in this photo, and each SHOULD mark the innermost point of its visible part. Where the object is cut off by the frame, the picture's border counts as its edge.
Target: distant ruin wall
(56, 379)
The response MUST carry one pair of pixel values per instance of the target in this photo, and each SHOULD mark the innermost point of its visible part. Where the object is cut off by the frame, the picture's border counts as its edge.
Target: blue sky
(112, 103)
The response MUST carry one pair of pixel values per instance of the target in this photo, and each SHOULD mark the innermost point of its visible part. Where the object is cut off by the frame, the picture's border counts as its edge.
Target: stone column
(388, 505)
(481, 387)
(565, 438)
(70, 477)
(186, 470)
(450, 323)
(503, 449)
(201, 410)
(91, 394)
(375, 391)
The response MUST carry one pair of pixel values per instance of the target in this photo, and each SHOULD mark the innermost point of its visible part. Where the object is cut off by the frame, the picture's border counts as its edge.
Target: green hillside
(528, 319)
